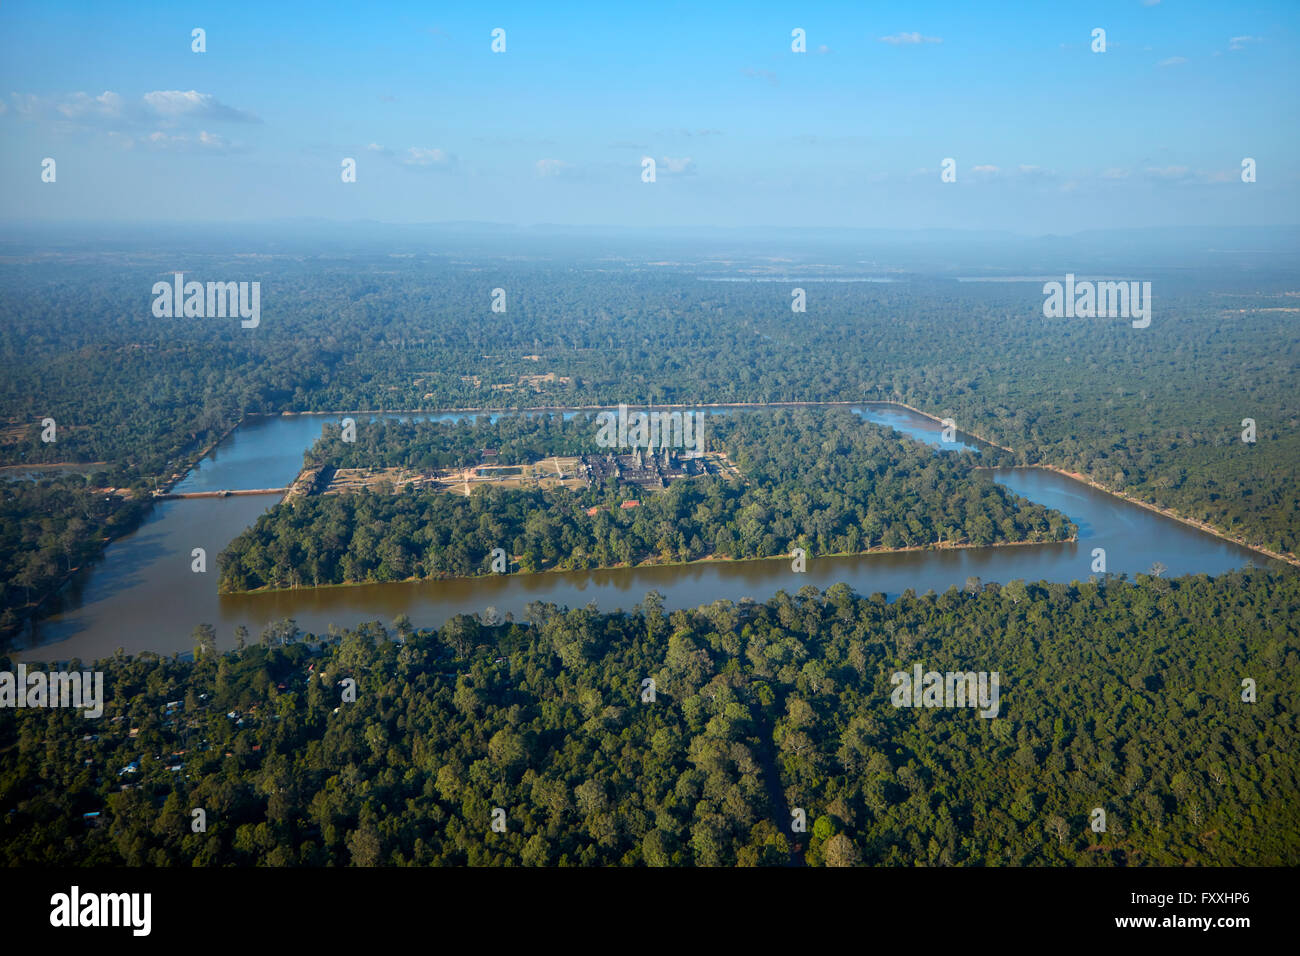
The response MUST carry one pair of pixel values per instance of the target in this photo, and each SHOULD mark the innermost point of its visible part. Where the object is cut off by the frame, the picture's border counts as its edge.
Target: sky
(1046, 135)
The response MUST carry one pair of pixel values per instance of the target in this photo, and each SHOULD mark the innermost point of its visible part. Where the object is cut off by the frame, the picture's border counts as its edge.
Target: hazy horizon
(1047, 133)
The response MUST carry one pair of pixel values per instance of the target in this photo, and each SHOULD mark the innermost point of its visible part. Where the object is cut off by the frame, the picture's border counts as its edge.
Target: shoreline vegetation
(599, 408)
(800, 498)
(1083, 479)
(646, 565)
(197, 460)
(1169, 513)
(1202, 526)
(177, 477)
(32, 611)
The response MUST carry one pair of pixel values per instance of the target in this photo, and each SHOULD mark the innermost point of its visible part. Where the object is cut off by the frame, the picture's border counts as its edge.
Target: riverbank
(939, 421)
(514, 409)
(31, 613)
(28, 613)
(644, 565)
(1164, 512)
(1171, 514)
(178, 477)
(148, 598)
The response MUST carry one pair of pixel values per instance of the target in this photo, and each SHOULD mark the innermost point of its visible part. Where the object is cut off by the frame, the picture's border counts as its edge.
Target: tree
(506, 750)
(655, 847)
(1016, 591)
(363, 844)
(459, 634)
(840, 851)
(536, 852)
(205, 641)
(653, 609)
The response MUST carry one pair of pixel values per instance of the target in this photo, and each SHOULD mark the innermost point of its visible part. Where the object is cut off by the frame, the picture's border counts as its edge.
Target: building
(650, 472)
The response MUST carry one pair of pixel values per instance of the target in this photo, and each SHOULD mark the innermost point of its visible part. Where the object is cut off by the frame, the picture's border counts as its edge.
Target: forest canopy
(146, 396)
(1124, 696)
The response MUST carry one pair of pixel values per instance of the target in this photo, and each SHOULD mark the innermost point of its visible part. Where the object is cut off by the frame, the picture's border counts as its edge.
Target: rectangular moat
(144, 596)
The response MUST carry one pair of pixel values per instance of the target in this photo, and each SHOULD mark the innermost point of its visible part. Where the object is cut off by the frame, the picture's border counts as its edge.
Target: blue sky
(1048, 136)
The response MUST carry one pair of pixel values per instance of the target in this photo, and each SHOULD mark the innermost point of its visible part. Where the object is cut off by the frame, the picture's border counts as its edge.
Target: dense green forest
(1125, 696)
(1155, 412)
(48, 530)
(430, 446)
(820, 479)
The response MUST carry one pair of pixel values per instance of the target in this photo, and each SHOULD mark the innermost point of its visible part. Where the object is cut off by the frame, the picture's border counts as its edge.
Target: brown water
(144, 595)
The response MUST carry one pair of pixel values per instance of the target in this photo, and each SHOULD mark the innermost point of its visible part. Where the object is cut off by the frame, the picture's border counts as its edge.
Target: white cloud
(1173, 61)
(171, 108)
(27, 104)
(172, 104)
(681, 166)
(1031, 173)
(1239, 43)
(421, 156)
(80, 108)
(107, 105)
(203, 142)
(907, 39)
(552, 167)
